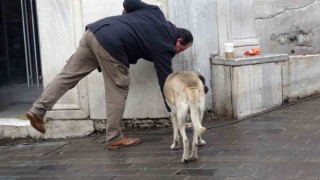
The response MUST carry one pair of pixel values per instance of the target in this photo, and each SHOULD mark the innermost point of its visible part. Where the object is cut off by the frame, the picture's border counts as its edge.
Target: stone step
(19, 128)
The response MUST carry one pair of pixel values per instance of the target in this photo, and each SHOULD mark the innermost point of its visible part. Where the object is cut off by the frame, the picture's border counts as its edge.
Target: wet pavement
(282, 144)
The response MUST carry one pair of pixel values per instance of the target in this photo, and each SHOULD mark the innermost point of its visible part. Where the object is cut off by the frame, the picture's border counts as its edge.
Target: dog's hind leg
(194, 151)
(182, 112)
(196, 103)
(200, 141)
(176, 142)
(193, 95)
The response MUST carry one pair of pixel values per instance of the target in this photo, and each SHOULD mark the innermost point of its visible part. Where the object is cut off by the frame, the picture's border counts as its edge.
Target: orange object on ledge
(253, 51)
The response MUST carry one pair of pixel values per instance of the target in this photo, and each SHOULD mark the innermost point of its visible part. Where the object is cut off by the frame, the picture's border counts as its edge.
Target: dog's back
(186, 91)
(179, 82)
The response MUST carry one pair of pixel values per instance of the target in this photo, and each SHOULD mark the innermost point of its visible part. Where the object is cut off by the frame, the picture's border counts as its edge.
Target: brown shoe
(124, 142)
(36, 122)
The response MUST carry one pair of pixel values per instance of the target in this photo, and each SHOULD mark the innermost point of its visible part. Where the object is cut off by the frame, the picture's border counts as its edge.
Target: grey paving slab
(144, 177)
(281, 144)
(96, 177)
(196, 172)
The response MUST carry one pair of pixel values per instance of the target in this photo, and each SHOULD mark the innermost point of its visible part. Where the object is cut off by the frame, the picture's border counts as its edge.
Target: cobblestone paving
(282, 144)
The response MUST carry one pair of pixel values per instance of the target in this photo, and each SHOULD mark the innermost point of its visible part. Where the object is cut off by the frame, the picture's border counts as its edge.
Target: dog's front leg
(176, 142)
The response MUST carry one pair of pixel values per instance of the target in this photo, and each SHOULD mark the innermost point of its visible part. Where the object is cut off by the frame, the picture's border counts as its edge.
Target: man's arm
(133, 5)
(163, 65)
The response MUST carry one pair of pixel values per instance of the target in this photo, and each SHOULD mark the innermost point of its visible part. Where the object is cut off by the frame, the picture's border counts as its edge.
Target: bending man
(111, 45)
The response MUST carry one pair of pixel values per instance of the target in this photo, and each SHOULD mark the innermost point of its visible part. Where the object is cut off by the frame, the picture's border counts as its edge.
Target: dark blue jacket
(143, 32)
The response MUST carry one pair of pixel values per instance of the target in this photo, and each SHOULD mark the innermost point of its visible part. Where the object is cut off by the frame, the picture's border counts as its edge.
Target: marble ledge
(248, 60)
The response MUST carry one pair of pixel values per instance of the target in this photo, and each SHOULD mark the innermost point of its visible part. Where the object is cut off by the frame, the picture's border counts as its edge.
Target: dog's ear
(203, 80)
(206, 89)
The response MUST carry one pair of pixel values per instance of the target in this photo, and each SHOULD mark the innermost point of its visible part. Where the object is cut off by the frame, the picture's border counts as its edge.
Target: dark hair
(185, 35)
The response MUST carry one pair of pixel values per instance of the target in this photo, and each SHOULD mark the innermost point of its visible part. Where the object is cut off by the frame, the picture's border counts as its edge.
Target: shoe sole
(34, 121)
(124, 146)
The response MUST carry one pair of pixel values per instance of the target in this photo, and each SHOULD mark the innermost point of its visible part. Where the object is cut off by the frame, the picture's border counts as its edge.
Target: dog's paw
(184, 161)
(174, 146)
(193, 158)
(201, 142)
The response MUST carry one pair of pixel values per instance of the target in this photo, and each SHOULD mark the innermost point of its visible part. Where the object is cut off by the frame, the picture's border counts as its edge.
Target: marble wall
(301, 77)
(286, 26)
(292, 27)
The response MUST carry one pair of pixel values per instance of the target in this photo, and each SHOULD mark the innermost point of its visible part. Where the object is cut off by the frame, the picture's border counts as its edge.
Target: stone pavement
(282, 144)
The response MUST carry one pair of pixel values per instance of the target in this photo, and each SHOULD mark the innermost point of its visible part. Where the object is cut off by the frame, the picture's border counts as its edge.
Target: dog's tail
(195, 104)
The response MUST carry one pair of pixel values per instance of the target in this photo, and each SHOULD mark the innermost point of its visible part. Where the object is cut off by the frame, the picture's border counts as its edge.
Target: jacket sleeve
(133, 5)
(163, 66)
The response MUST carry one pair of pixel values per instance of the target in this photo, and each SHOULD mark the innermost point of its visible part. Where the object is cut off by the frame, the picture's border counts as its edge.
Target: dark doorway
(20, 65)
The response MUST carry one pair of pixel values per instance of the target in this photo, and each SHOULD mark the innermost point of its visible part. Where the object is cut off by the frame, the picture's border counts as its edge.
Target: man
(111, 45)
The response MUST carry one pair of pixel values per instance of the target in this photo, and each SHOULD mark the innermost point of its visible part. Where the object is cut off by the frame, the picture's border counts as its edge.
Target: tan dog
(185, 93)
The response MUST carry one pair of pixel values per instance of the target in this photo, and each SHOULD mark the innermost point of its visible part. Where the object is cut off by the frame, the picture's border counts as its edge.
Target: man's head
(184, 41)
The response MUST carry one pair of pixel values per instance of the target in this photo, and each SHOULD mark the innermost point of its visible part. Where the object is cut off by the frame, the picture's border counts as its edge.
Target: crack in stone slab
(315, 27)
(286, 9)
